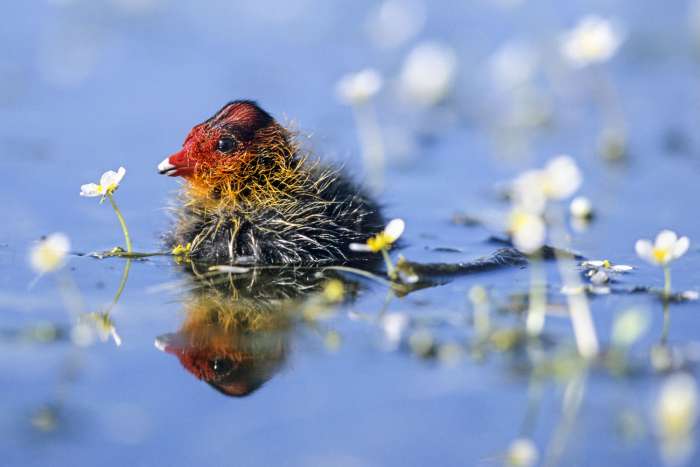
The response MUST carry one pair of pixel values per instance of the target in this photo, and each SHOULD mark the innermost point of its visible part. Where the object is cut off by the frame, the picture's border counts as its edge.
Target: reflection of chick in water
(236, 335)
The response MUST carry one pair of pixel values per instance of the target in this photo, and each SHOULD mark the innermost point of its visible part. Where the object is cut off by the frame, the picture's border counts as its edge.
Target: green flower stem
(390, 269)
(127, 238)
(667, 281)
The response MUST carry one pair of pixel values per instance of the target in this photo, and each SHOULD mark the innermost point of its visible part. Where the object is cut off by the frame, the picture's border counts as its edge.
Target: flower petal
(563, 177)
(359, 87)
(680, 247)
(530, 234)
(363, 247)
(120, 174)
(528, 191)
(115, 336)
(665, 240)
(644, 250)
(108, 178)
(112, 179)
(394, 229)
(90, 190)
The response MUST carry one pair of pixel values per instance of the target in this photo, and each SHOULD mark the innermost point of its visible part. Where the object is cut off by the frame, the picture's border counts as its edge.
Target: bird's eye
(221, 366)
(226, 145)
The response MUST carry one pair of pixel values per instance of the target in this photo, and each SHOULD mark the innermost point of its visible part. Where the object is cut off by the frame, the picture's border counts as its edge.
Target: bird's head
(230, 152)
(234, 345)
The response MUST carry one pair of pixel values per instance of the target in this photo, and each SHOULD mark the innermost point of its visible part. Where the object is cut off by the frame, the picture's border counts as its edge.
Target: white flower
(109, 182)
(428, 73)
(676, 407)
(606, 265)
(562, 177)
(666, 248)
(359, 87)
(581, 208)
(527, 231)
(522, 452)
(593, 40)
(396, 21)
(598, 277)
(50, 253)
(528, 191)
(559, 179)
(384, 239)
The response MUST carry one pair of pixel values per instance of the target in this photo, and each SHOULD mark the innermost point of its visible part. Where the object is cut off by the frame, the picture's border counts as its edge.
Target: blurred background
(435, 106)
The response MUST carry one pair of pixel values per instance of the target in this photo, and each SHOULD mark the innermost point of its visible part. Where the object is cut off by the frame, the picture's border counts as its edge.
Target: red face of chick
(217, 146)
(235, 364)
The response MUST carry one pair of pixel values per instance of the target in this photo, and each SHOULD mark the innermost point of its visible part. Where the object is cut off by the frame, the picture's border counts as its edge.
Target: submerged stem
(581, 320)
(538, 297)
(667, 322)
(125, 230)
(122, 284)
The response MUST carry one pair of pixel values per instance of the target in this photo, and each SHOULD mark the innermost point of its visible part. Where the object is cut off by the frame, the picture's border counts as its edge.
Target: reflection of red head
(234, 349)
(233, 369)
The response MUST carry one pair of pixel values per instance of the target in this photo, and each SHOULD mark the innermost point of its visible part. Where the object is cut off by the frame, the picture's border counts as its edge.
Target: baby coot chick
(251, 195)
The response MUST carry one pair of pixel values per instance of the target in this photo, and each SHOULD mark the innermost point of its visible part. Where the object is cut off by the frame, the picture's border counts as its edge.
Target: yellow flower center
(519, 221)
(380, 242)
(661, 255)
(607, 264)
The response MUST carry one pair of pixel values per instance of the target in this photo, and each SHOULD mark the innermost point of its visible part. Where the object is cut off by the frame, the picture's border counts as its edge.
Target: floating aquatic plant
(428, 73)
(581, 208)
(109, 183)
(667, 247)
(530, 218)
(600, 271)
(360, 87)
(592, 40)
(527, 230)
(382, 243)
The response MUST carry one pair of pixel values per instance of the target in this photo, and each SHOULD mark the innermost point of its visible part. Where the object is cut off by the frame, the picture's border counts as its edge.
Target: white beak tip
(165, 167)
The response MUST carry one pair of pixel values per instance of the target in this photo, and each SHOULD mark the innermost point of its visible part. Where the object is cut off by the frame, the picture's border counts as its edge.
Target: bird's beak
(177, 165)
(169, 343)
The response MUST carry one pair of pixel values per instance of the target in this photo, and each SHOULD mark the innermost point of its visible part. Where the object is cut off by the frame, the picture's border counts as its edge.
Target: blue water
(90, 86)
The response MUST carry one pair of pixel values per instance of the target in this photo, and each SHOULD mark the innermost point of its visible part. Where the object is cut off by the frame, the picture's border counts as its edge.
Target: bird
(252, 195)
